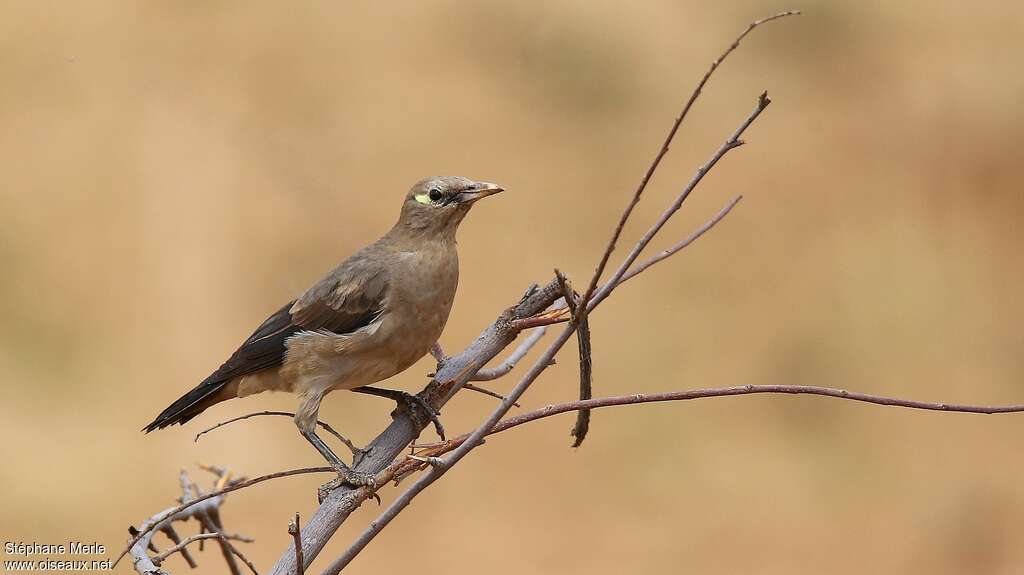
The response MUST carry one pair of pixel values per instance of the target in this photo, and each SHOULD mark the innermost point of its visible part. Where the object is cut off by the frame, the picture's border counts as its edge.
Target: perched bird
(370, 318)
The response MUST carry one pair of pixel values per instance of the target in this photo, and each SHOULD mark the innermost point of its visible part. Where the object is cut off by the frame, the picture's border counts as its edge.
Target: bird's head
(436, 205)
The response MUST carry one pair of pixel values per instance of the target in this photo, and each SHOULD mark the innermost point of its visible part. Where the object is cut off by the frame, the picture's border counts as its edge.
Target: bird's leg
(346, 475)
(305, 420)
(415, 404)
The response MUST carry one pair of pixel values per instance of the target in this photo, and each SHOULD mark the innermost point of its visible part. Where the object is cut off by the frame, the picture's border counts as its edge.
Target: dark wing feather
(341, 303)
(349, 298)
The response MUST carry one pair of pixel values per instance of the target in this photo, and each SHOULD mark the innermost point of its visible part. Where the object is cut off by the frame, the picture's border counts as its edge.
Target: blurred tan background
(174, 171)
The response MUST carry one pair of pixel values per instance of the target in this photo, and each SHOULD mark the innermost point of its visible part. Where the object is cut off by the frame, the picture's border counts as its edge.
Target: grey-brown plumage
(370, 318)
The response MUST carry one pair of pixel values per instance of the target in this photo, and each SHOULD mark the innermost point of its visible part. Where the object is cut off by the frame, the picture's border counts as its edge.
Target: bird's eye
(435, 194)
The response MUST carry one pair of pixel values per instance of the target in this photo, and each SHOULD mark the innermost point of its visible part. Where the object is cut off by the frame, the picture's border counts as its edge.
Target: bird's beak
(479, 190)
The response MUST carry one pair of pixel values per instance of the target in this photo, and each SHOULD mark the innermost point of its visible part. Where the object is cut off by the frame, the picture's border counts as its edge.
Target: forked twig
(664, 150)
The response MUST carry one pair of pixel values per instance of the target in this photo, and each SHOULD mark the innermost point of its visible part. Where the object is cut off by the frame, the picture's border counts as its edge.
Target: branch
(296, 533)
(682, 244)
(732, 143)
(180, 547)
(664, 150)
(192, 509)
(442, 447)
(194, 505)
(506, 366)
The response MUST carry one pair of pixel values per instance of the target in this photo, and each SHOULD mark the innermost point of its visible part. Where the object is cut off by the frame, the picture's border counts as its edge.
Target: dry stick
(664, 150)
(171, 534)
(682, 244)
(180, 547)
(239, 554)
(485, 391)
(355, 450)
(582, 425)
(635, 270)
(510, 362)
(638, 398)
(296, 532)
(732, 143)
(213, 525)
(606, 289)
(164, 515)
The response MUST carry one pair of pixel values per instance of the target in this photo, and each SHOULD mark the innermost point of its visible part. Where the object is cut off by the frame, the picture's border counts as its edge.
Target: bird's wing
(349, 298)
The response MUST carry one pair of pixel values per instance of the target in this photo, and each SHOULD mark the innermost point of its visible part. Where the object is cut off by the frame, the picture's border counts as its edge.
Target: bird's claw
(418, 408)
(346, 476)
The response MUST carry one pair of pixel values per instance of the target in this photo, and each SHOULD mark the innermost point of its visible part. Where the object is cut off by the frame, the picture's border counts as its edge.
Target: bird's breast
(421, 301)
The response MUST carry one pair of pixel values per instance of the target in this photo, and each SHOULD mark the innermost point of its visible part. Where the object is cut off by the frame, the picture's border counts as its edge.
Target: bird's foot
(421, 411)
(419, 408)
(346, 476)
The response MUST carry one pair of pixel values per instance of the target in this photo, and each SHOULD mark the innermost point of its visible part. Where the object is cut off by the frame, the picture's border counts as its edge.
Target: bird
(370, 318)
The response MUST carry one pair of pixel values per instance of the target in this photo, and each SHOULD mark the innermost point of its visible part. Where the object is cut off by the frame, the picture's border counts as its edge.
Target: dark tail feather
(188, 406)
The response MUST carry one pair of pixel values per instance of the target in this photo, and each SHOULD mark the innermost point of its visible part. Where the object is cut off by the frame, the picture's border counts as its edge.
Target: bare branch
(686, 242)
(569, 295)
(239, 554)
(442, 447)
(518, 354)
(296, 532)
(664, 150)
(191, 509)
(732, 143)
(485, 391)
(180, 547)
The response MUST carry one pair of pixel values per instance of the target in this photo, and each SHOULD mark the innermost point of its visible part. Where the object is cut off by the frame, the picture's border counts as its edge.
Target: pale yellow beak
(478, 191)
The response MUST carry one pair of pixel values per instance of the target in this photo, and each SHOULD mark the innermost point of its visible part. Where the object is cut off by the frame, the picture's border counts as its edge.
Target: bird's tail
(190, 405)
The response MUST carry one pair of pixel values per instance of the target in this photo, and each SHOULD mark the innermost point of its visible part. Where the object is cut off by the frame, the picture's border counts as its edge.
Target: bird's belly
(319, 362)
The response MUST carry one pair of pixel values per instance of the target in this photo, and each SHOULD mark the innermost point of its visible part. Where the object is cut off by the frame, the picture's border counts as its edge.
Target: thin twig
(510, 362)
(485, 391)
(239, 554)
(172, 534)
(440, 448)
(582, 425)
(296, 532)
(351, 446)
(638, 398)
(732, 143)
(180, 547)
(682, 244)
(664, 150)
(213, 525)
